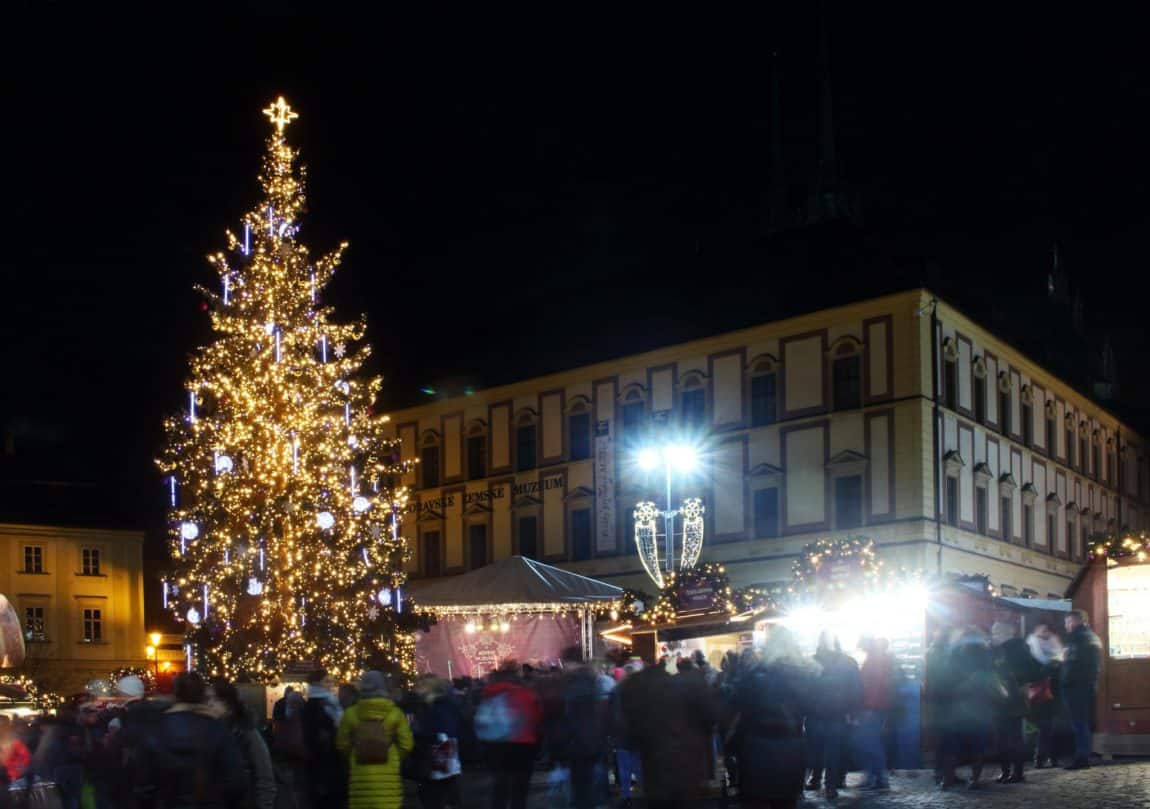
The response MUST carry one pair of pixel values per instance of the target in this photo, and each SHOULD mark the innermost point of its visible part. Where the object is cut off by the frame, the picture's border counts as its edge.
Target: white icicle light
(325, 520)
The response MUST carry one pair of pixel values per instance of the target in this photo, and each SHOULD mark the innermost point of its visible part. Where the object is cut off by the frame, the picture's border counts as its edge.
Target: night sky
(532, 197)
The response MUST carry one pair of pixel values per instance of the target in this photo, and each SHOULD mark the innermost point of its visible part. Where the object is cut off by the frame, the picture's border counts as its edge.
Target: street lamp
(153, 651)
(672, 458)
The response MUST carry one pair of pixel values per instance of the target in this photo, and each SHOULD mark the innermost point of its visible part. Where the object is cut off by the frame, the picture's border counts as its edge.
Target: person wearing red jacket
(508, 721)
(878, 678)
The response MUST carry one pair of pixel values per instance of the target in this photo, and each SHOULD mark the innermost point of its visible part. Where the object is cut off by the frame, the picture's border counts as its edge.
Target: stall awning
(1049, 604)
(516, 581)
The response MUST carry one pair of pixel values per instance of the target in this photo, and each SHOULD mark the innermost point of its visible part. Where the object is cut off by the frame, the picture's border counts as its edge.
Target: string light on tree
(276, 550)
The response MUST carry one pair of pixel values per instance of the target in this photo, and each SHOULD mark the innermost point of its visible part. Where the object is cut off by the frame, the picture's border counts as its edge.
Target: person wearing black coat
(1079, 682)
(1016, 668)
(838, 695)
(772, 699)
(193, 757)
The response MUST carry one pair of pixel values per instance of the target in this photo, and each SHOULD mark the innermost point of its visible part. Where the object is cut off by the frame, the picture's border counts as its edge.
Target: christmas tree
(284, 516)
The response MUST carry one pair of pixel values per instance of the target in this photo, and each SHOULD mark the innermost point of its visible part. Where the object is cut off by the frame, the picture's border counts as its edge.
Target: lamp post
(672, 457)
(153, 651)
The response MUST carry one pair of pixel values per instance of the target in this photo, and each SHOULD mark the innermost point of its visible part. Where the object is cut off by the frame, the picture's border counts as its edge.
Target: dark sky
(525, 197)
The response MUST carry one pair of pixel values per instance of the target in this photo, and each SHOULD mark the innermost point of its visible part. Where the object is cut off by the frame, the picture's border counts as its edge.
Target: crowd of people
(766, 725)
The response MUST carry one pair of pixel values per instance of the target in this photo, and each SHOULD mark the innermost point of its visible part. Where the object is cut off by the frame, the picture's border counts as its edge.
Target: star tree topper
(280, 114)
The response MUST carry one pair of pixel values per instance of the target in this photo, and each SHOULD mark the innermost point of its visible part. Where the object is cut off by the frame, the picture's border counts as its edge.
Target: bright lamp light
(681, 457)
(648, 459)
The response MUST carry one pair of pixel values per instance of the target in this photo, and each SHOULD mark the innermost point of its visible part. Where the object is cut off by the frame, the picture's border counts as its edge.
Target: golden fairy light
(284, 487)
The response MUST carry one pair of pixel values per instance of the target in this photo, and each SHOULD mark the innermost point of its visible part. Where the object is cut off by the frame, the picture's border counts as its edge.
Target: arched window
(526, 446)
(764, 392)
(693, 402)
(633, 414)
(949, 374)
(476, 451)
(579, 431)
(429, 460)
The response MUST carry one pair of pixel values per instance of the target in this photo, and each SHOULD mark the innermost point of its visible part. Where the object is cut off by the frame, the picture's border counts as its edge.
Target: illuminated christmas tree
(284, 518)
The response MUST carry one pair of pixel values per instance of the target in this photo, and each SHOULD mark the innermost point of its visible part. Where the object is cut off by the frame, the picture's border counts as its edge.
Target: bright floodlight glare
(648, 459)
(681, 456)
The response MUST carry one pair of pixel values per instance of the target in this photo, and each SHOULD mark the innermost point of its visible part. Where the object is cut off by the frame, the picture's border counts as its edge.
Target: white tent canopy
(514, 584)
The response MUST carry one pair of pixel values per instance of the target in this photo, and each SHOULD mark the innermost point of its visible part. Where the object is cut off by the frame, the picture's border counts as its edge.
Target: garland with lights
(43, 699)
(284, 505)
(147, 675)
(816, 559)
(711, 576)
(627, 607)
(1109, 546)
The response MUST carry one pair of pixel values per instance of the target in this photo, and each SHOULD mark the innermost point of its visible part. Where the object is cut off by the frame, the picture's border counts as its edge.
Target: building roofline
(43, 529)
(608, 367)
(1102, 409)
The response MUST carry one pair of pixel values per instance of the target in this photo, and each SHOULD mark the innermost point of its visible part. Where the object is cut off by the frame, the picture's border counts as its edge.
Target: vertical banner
(605, 541)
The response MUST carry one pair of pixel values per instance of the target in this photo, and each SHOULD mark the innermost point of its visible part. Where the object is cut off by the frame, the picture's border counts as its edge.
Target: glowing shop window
(1128, 603)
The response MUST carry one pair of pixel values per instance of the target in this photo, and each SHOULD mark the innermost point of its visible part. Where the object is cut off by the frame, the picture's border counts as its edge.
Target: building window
(525, 447)
(1006, 519)
(1095, 462)
(476, 546)
(429, 467)
(981, 509)
(848, 501)
(432, 555)
(93, 626)
(1070, 446)
(1070, 539)
(847, 383)
(1051, 438)
(634, 415)
(766, 506)
(528, 537)
(764, 400)
(1028, 524)
(1082, 453)
(34, 626)
(950, 384)
(1027, 424)
(1004, 411)
(580, 535)
(1051, 531)
(33, 559)
(90, 562)
(693, 408)
(579, 436)
(476, 457)
(1083, 539)
(980, 399)
(951, 500)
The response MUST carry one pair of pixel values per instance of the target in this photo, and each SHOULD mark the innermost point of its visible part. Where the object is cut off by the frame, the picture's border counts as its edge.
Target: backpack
(372, 741)
(495, 720)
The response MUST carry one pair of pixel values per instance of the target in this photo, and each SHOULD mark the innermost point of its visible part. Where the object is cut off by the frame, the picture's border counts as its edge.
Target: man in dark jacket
(327, 775)
(192, 756)
(1079, 682)
(838, 695)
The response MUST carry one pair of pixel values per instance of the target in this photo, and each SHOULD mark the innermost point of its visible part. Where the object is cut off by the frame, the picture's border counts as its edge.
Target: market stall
(1114, 588)
(515, 608)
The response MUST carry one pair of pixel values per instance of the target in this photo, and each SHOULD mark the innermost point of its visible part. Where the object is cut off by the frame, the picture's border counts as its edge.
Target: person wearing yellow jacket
(374, 737)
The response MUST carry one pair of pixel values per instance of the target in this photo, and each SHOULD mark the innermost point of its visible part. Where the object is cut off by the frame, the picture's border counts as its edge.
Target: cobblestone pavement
(1113, 785)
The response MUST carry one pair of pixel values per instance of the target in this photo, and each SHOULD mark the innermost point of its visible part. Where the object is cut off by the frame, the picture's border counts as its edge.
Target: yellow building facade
(79, 595)
(818, 426)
